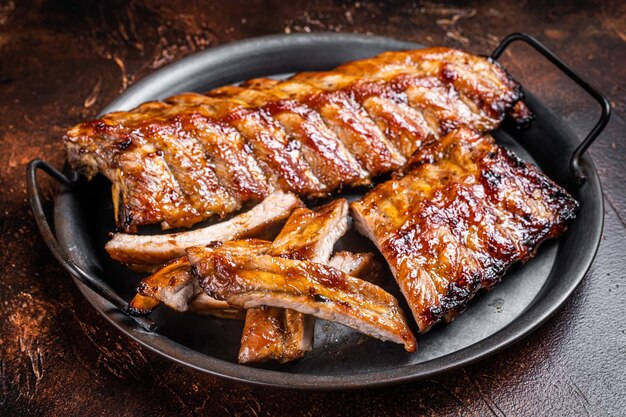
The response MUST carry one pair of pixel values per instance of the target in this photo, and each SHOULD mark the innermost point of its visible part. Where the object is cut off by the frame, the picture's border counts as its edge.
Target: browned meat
(344, 116)
(479, 82)
(455, 223)
(281, 334)
(404, 126)
(152, 251)
(279, 154)
(176, 287)
(324, 152)
(192, 157)
(311, 234)
(307, 287)
(360, 265)
(274, 333)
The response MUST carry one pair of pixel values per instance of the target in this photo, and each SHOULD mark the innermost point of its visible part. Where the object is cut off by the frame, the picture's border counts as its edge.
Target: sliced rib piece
(158, 249)
(283, 335)
(176, 287)
(307, 235)
(311, 234)
(307, 287)
(273, 333)
(455, 223)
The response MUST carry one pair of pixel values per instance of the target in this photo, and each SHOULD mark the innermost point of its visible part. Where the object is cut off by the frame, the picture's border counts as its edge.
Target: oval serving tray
(341, 358)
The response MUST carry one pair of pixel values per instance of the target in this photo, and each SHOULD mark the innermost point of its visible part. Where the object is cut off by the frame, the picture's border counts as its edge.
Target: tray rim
(197, 360)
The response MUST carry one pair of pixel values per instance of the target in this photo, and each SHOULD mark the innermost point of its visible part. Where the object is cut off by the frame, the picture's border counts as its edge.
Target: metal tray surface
(341, 358)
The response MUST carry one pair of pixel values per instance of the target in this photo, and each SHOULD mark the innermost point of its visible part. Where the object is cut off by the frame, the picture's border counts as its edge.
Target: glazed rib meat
(195, 156)
(456, 222)
(307, 287)
(361, 265)
(307, 234)
(175, 286)
(148, 252)
(281, 334)
(327, 156)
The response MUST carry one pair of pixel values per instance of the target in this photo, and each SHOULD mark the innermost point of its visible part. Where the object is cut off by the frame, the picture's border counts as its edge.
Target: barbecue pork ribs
(193, 156)
(455, 223)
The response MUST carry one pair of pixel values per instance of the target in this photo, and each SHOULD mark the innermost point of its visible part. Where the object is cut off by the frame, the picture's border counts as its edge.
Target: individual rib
(175, 286)
(283, 335)
(155, 250)
(307, 287)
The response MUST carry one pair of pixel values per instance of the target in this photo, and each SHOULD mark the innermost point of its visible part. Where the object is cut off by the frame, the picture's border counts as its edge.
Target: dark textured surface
(61, 61)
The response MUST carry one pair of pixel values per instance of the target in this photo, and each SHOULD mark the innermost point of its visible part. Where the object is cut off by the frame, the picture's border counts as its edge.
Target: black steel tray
(341, 358)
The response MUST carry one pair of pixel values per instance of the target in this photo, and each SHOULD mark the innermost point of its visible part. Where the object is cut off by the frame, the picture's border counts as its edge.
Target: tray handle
(58, 252)
(575, 165)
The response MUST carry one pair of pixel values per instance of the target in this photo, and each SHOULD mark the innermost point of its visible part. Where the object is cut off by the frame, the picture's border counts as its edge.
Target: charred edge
(456, 298)
(517, 111)
(520, 116)
(124, 144)
(493, 179)
(567, 207)
(197, 275)
(137, 312)
(517, 88)
(214, 244)
(142, 288)
(126, 220)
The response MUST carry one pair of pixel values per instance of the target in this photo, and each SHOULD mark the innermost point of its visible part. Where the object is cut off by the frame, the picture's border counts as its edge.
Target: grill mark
(439, 103)
(273, 152)
(404, 127)
(483, 89)
(232, 160)
(322, 150)
(280, 152)
(357, 131)
(191, 167)
(344, 116)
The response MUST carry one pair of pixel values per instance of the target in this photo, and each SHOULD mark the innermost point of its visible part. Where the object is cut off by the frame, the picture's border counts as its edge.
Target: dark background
(62, 61)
